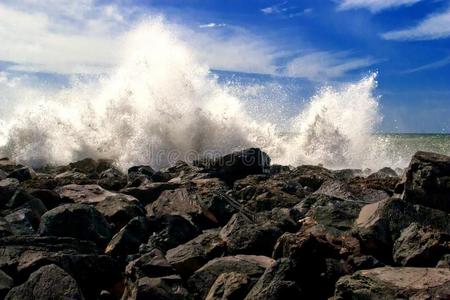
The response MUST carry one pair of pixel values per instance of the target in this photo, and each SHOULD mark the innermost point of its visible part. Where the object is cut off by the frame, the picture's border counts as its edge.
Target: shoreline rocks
(229, 228)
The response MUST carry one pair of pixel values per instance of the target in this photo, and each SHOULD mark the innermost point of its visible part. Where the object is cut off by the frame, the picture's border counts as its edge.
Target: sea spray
(161, 104)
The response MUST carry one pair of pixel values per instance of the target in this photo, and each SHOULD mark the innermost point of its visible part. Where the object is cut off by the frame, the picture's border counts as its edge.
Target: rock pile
(232, 227)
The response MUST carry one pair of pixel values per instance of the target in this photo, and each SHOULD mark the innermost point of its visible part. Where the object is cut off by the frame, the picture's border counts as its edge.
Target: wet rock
(229, 286)
(73, 177)
(86, 166)
(22, 255)
(129, 238)
(50, 198)
(346, 174)
(22, 174)
(427, 181)
(395, 283)
(160, 288)
(7, 189)
(202, 280)
(5, 229)
(420, 246)
(380, 224)
(170, 231)
(20, 222)
(149, 191)
(112, 179)
(277, 169)
(364, 262)
(140, 173)
(86, 194)
(237, 164)
(383, 173)
(76, 220)
(8, 165)
(3, 174)
(120, 209)
(6, 283)
(277, 282)
(311, 176)
(49, 282)
(151, 264)
(189, 257)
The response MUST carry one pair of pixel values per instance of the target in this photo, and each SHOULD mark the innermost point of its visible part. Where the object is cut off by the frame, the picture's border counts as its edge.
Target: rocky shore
(233, 227)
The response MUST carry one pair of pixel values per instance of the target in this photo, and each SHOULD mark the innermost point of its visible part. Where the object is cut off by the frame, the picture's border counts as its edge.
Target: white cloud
(374, 5)
(430, 66)
(323, 65)
(435, 26)
(212, 25)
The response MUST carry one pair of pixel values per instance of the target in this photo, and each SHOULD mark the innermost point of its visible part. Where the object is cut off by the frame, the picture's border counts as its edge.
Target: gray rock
(159, 288)
(120, 209)
(229, 286)
(129, 238)
(49, 282)
(6, 283)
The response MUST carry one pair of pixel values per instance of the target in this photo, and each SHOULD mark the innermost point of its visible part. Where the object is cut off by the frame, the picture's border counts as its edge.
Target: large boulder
(129, 238)
(237, 164)
(6, 283)
(277, 282)
(86, 194)
(420, 246)
(8, 187)
(22, 174)
(229, 286)
(158, 288)
(151, 264)
(76, 220)
(22, 255)
(427, 181)
(380, 224)
(49, 282)
(120, 209)
(148, 191)
(189, 257)
(395, 283)
(202, 280)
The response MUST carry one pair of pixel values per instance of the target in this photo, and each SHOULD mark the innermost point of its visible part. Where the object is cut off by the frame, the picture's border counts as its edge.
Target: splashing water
(161, 104)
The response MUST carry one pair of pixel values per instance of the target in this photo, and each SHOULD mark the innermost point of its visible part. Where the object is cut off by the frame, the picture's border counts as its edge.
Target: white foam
(161, 104)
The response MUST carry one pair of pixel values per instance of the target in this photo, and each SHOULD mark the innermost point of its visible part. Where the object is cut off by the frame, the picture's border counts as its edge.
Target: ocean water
(162, 104)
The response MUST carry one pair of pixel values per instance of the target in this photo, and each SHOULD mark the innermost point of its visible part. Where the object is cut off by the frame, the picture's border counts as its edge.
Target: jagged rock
(8, 165)
(120, 209)
(25, 219)
(202, 280)
(277, 282)
(49, 282)
(229, 286)
(427, 181)
(112, 179)
(420, 246)
(138, 174)
(395, 283)
(76, 220)
(149, 191)
(5, 229)
(189, 257)
(129, 238)
(310, 176)
(277, 169)
(6, 283)
(86, 194)
(346, 174)
(245, 236)
(364, 262)
(237, 164)
(86, 166)
(22, 174)
(50, 198)
(22, 255)
(170, 231)
(20, 222)
(151, 264)
(73, 177)
(383, 173)
(7, 189)
(444, 262)
(159, 288)
(380, 224)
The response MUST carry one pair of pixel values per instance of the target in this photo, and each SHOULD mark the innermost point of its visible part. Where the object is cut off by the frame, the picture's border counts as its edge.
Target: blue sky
(303, 43)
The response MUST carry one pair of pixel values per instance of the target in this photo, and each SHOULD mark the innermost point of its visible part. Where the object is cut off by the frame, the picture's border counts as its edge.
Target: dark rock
(76, 220)
(202, 280)
(420, 246)
(7, 189)
(22, 174)
(73, 177)
(383, 173)
(49, 282)
(277, 169)
(189, 257)
(245, 236)
(364, 262)
(3, 174)
(395, 283)
(160, 288)
(5, 229)
(277, 282)
(129, 238)
(91, 166)
(22, 255)
(86, 194)
(20, 222)
(170, 231)
(444, 262)
(151, 264)
(50, 198)
(140, 172)
(311, 176)
(346, 174)
(112, 179)
(6, 283)
(8, 165)
(120, 209)
(380, 224)
(427, 181)
(237, 164)
(149, 191)
(229, 286)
